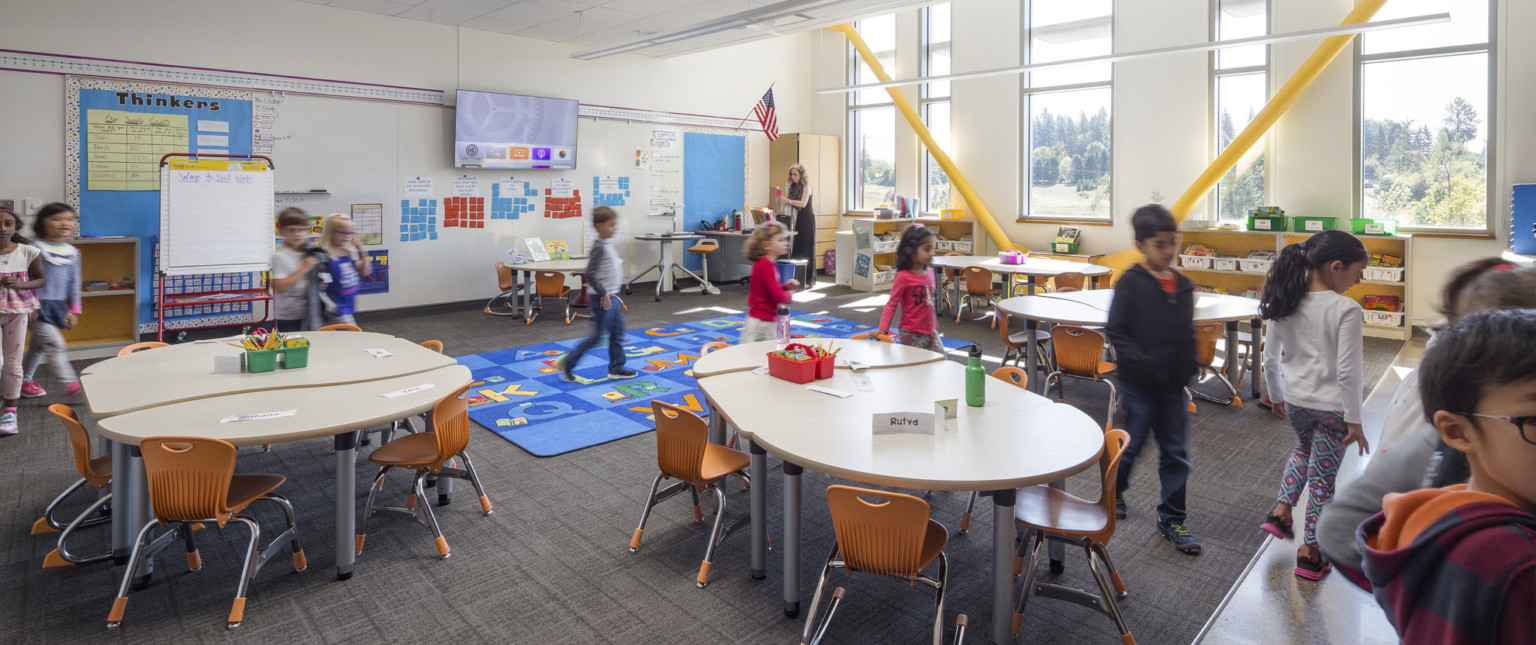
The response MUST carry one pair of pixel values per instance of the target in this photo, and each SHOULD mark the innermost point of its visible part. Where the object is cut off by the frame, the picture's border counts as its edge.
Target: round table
(1032, 267)
(665, 266)
(174, 390)
(1017, 439)
(525, 274)
(868, 353)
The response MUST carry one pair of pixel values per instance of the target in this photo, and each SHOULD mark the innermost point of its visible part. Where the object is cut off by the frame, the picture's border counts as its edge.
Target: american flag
(765, 116)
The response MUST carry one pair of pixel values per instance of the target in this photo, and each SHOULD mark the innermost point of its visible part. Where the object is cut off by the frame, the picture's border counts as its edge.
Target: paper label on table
(946, 408)
(226, 364)
(377, 352)
(856, 365)
(827, 390)
(862, 381)
(898, 422)
(258, 417)
(760, 370)
(410, 390)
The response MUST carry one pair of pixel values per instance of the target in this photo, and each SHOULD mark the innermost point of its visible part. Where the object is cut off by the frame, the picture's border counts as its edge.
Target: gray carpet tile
(551, 565)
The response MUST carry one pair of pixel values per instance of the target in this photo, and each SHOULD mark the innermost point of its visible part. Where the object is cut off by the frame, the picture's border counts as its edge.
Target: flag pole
(754, 107)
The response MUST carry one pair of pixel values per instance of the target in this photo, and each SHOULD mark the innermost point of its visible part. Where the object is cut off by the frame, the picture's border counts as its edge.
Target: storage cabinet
(821, 156)
(109, 317)
(869, 254)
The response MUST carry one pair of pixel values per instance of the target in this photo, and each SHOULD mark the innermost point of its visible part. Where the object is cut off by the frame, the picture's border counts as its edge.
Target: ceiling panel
(471, 7)
(440, 16)
(386, 7)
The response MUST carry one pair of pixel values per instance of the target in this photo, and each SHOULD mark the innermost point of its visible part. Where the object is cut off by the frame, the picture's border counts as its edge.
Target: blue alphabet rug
(517, 393)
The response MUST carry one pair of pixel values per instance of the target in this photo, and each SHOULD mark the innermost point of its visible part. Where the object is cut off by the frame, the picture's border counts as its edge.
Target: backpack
(829, 262)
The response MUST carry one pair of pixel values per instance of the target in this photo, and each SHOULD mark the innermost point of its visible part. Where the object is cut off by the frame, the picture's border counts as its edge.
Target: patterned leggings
(1314, 462)
(929, 342)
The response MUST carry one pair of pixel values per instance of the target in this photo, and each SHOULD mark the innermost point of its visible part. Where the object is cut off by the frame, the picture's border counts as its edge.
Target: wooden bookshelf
(108, 317)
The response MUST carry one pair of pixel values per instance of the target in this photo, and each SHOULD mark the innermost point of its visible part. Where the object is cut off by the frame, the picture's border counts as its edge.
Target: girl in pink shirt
(913, 292)
(768, 243)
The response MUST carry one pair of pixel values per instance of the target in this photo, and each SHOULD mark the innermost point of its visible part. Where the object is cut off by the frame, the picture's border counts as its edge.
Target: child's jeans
(609, 321)
(1166, 419)
(1314, 462)
(48, 342)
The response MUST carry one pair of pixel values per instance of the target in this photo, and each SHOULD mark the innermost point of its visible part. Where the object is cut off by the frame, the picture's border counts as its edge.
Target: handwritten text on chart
(196, 177)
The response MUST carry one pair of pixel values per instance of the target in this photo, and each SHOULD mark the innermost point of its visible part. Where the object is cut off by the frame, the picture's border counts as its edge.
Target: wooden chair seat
(409, 451)
(720, 461)
(1056, 511)
(244, 489)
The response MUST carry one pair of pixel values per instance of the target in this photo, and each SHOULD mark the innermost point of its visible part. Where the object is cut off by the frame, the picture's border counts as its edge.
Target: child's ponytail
(1290, 278)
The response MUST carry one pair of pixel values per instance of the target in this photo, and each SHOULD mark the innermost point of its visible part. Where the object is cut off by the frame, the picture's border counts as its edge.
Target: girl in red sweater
(768, 243)
(913, 292)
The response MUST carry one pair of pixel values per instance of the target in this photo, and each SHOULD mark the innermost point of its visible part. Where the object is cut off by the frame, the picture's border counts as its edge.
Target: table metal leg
(138, 509)
(716, 423)
(1031, 349)
(1255, 327)
(1058, 550)
(528, 289)
(631, 284)
(792, 539)
(759, 526)
(122, 506)
(1002, 566)
(1231, 366)
(956, 281)
(665, 283)
(346, 504)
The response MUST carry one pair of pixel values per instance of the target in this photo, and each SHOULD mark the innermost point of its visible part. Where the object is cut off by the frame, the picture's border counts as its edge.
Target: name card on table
(915, 422)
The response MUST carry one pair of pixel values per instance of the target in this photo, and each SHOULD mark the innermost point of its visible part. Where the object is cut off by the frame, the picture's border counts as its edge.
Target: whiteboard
(215, 216)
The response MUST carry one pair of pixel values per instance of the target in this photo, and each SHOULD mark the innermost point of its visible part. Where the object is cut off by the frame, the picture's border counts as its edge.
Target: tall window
(1424, 118)
(872, 119)
(1067, 134)
(1240, 84)
(935, 101)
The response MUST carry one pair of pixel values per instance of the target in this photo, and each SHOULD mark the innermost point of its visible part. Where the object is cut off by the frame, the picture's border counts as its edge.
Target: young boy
(1151, 325)
(605, 274)
(291, 267)
(1457, 565)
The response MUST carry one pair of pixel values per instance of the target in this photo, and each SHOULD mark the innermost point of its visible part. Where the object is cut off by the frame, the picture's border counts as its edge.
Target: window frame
(1026, 92)
(925, 160)
(852, 196)
(1488, 48)
(1213, 199)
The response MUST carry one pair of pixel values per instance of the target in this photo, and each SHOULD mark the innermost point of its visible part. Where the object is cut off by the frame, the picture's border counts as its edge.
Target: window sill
(1073, 222)
(1449, 235)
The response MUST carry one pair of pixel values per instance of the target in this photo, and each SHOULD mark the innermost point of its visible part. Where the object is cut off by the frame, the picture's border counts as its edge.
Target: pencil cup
(295, 357)
(264, 360)
(824, 367)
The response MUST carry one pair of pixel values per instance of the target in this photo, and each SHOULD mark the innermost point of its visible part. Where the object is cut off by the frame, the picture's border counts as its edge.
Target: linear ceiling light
(1396, 23)
(766, 15)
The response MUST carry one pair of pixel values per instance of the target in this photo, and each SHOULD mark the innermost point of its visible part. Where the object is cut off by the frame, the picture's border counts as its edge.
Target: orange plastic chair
(1206, 335)
(1016, 343)
(192, 480)
(1079, 354)
(978, 286)
(548, 284)
(873, 335)
(946, 283)
(94, 472)
(388, 432)
(434, 345)
(683, 452)
(1044, 512)
(139, 347)
(508, 295)
(890, 536)
(1021, 282)
(1016, 376)
(340, 327)
(1070, 280)
(428, 453)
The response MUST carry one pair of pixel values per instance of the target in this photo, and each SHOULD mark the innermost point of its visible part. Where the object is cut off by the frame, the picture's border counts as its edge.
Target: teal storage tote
(1367, 226)
(1272, 223)
(1313, 224)
(264, 360)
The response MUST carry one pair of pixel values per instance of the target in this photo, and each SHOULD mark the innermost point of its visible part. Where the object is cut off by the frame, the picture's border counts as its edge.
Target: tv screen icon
(541, 154)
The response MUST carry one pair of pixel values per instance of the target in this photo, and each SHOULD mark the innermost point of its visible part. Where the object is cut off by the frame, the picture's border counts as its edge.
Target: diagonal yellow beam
(1261, 123)
(956, 179)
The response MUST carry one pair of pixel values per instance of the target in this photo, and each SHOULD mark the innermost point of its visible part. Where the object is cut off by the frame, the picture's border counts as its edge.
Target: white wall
(1162, 138)
(360, 150)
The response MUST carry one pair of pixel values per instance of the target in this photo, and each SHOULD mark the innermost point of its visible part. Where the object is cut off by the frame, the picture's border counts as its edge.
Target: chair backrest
(953, 272)
(1072, 280)
(340, 327)
(79, 445)
(1002, 326)
(188, 477)
(873, 335)
(709, 347)
(1014, 375)
(434, 345)
(680, 439)
(504, 277)
(1077, 350)
(1109, 467)
(450, 422)
(550, 284)
(978, 281)
(1106, 280)
(1205, 342)
(884, 537)
(139, 347)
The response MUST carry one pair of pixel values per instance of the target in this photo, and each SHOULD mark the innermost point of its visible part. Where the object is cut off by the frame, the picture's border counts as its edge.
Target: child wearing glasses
(346, 268)
(1458, 564)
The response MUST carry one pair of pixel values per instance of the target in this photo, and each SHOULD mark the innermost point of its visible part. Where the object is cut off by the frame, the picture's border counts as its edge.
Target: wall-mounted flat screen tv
(513, 131)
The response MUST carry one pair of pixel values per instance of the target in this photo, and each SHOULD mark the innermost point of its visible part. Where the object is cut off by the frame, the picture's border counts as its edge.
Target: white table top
(184, 372)
(872, 354)
(560, 266)
(1092, 307)
(1032, 266)
(321, 411)
(1017, 439)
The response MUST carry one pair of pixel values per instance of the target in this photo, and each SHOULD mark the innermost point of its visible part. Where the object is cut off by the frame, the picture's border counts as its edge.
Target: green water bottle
(975, 379)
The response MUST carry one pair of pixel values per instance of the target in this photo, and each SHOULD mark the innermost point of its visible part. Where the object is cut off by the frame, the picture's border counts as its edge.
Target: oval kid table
(174, 391)
(1032, 267)
(525, 273)
(1017, 439)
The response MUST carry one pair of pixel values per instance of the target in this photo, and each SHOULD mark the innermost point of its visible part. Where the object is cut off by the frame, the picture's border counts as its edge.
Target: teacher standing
(799, 196)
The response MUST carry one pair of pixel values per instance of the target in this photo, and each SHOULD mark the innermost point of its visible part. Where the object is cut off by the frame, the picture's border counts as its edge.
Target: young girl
(768, 243)
(913, 292)
(59, 301)
(345, 270)
(1313, 367)
(798, 195)
(21, 271)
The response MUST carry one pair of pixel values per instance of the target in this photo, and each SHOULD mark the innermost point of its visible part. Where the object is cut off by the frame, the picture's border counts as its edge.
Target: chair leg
(1107, 599)
(429, 518)
(248, 571)
(1031, 565)
(1114, 404)
(373, 491)
(46, 523)
(1047, 389)
(194, 559)
(60, 555)
(715, 535)
(938, 600)
(120, 604)
(474, 480)
(812, 632)
(698, 512)
(1114, 574)
(299, 562)
(965, 518)
(645, 514)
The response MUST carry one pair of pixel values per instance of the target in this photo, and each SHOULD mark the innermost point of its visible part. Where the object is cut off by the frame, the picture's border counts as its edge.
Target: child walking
(913, 292)
(605, 274)
(21, 271)
(1313, 369)
(58, 301)
(346, 268)
(768, 243)
(292, 266)
(1151, 325)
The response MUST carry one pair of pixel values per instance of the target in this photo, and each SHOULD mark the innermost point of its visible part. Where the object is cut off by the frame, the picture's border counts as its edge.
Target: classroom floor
(552, 564)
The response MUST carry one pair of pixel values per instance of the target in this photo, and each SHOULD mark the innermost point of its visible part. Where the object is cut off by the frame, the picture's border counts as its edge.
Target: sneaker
(567, 376)
(1181, 538)
(31, 389)
(71, 390)
(8, 424)
(1120, 512)
(1312, 568)
(623, 373)
(1278, 528)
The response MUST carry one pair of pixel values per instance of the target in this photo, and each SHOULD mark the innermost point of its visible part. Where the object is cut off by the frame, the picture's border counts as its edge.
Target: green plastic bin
(264, 360)
(1064, 247)
(295, 357)
(1273, 223)
(1368, 226)
(1313, 224)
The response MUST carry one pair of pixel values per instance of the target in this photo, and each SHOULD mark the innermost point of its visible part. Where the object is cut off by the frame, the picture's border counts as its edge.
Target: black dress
(804, 245)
